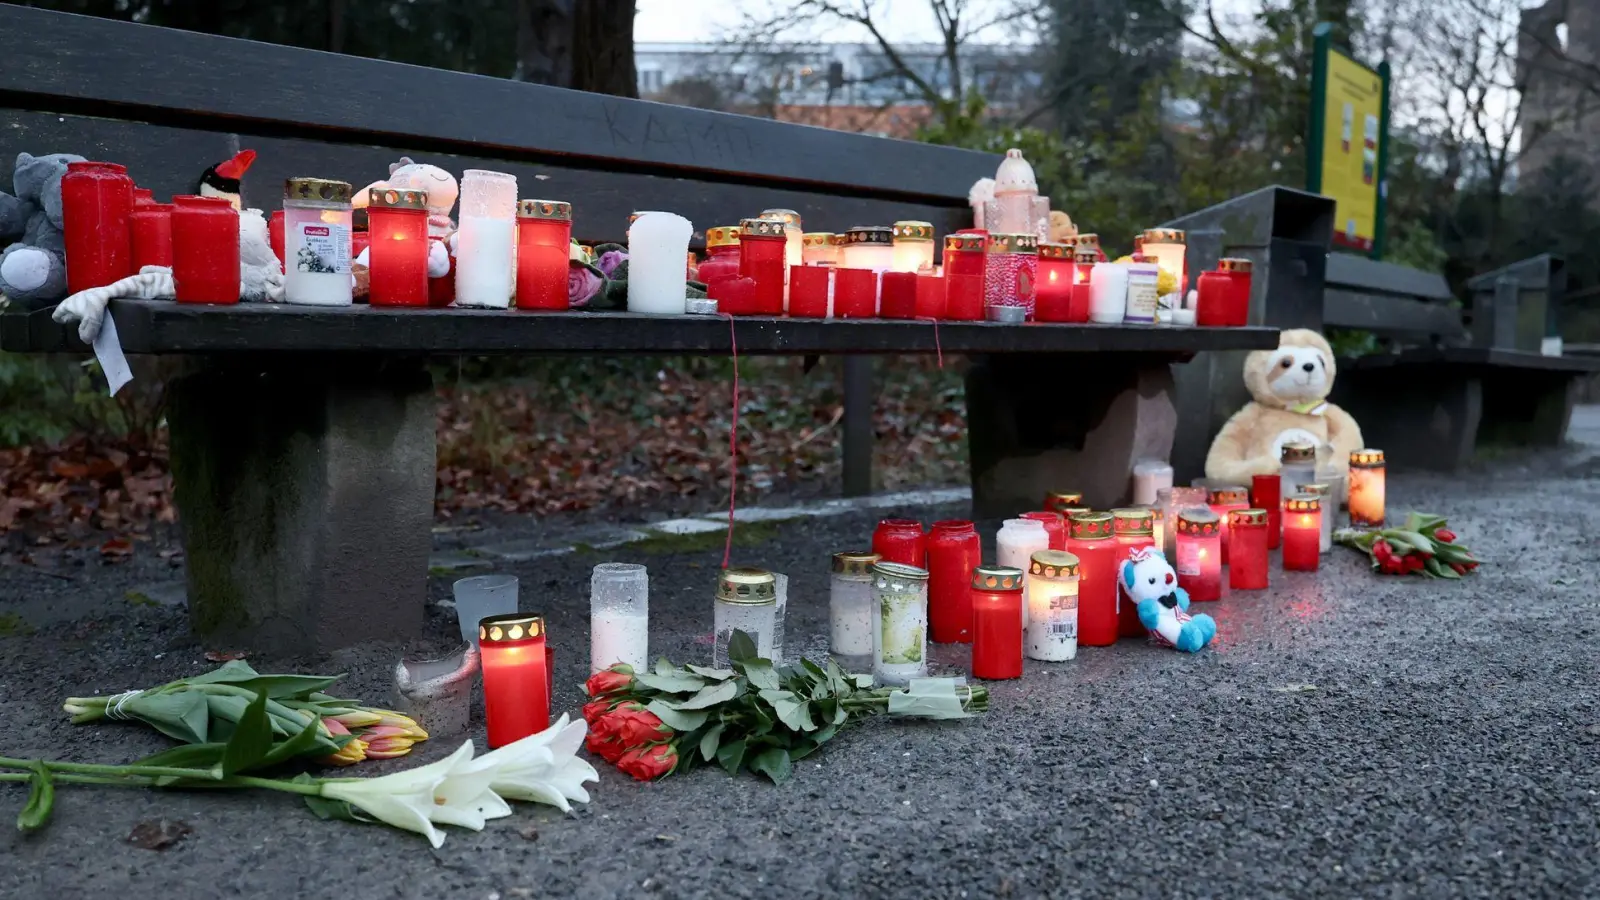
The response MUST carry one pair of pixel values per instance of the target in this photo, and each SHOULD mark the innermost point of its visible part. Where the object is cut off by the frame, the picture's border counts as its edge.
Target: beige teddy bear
(1289, 385)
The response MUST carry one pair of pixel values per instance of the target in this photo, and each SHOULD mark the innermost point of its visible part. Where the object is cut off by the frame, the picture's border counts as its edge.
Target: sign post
(1347, 151)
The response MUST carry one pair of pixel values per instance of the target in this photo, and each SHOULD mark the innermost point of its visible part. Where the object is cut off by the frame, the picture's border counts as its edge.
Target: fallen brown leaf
(158, 834)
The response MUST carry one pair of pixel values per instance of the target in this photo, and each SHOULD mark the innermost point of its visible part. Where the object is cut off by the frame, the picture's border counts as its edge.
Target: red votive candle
(762, 257)
(734, 296)
(544, 248)
(963, 253)
(901, 541)
(930, 297)
(1055, 525)
(275, 235)
(855, 293)
(150, 232)
(953, 552)
(397, 249)
(1223, 299)
(205, 250)
(1266, 492)
(808, 291)
(141, 196)
(1224, 499)
(996, 610)
(1053, 294)
(899, 298)
(1247, 560)
(1132, 528)
(1091, 542)
(96, 203)
(1302, 532)
(963, 297)
(722, 255)
(516, 679)
(1199, 552)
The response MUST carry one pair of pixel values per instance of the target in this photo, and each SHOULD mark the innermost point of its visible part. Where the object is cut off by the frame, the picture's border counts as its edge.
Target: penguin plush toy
(222, 180)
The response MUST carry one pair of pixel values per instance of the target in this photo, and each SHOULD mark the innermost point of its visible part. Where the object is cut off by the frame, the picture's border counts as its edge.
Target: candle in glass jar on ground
(869, 247)
(953, 552)
(1055, 525)
(1169, 248)
(722, 255)
(1199, 556)
(150, 234)
(913, 246)
(996, 609)
(1091, 540)
(397, 254)
(1324, 492)
(1172, 501)
(516, 679)
(900, 628)
(1223, 499)
(963, 297)
(808, 291)
(1108, 293)
(762, 252)
(1054, 598)
(793, 241)
(205, 250)
(1015, 544)
(544, 250)
(747, 601)
(96, 205)
(898, 295)
(1010, 276)
(1366, 488)
(1061, 501)
(818, 248)
(1132, 528)
(930, 296)
(1247, 560)
(901, 541)
(1057, 272)
(850, 611)
(1149, 477)
(1297, 465)
(1266, 492)
(1302, 532)
(1330, 486)
(619, 616)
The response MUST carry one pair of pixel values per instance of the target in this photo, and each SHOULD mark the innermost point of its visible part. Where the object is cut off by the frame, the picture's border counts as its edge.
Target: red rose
(614, 680)
(594, 709)
(1444, 534)
(648, 763)
(636, 726)
(1382, 550)
(603, 740)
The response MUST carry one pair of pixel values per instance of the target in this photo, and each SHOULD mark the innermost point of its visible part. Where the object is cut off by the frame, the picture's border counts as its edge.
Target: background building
(1558, 56)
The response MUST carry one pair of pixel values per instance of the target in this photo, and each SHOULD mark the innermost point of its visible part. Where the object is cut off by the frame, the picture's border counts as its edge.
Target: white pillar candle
(1015, 544)
(1108, 293)
(619, 616)
(1051, 593)
(1149, 477)
(657, 279)
(485, 241)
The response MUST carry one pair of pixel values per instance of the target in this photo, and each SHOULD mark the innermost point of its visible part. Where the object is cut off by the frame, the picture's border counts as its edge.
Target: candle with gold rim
(1247, 556)
(1224, 499)
(1199, 563)
(1060, 501)
(544, 249)
(996, 608)
(793, 241)
(747, 601)
(1133, 527)
(913, 246)
(516, 679)
(1367, 473)
(1302, 532)
(1091, 540)
(1052, 597)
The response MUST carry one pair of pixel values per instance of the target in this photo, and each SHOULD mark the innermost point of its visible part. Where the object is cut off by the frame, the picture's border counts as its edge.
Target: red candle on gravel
(1133, 527)
(1302, 532)
(901, 541)
(1247, 553)
(1199, 552)
(1091, 542)
(516, 678)
(996, 610)
(953, 552)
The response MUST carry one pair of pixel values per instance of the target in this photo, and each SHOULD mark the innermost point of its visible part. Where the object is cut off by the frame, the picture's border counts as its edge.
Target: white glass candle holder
(851, 610)
(480, 597)
(1174, 500)
(1149, 477)
(1169, 248)
(1108, 293)
(1297, 465)
(619, 616)
(1016, 543)
(1367, 489)
(486, 240)
(913, 247)
(316, 227)
(869, 247)
(900, 629)
(747, 601)
(1051, 593)
(1324, 492)
(657, 277)
(819, 248)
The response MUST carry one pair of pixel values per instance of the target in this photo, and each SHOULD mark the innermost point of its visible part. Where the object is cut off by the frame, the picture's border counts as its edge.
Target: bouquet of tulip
(206, 709)
(461, 789)
(1423, 546)
(753, 716)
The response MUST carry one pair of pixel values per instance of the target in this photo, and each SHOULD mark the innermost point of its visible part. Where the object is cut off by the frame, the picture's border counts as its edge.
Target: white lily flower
(541, 768)
(447, 792)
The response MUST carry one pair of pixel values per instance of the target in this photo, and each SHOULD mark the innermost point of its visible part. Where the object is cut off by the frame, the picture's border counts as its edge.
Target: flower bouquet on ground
(753, 716)
(1423, 546)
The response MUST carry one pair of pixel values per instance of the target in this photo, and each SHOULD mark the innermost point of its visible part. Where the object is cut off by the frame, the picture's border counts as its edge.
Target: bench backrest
(1518, 306)
(170, 104)
(1390, 300)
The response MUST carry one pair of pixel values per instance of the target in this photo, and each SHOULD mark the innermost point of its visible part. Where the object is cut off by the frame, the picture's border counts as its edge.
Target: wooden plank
(70, 63)
(1473, 358)
(1392, 315)
(1359, 274)
(163, 327)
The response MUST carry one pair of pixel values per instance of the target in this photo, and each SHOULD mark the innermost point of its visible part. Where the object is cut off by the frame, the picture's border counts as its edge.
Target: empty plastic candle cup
(657, 279)
(480, 597)
(619, 616)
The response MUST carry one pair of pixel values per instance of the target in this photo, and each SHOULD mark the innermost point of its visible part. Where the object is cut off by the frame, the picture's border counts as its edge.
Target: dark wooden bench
(302, 441)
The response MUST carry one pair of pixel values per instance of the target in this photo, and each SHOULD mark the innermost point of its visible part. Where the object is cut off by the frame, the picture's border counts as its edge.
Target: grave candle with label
(818, 248)
(1133, 527)
(996, 609)
(544, 251)
(1092, 541)
(747, 601)
(1247, 560)
(1057, 272)
(953, 552)
(397, 254)
(1366, 489)
(516, 679)
(1169, 247)
(1054, 597)
(1302, 532)
(1199, 554)
(316, 228)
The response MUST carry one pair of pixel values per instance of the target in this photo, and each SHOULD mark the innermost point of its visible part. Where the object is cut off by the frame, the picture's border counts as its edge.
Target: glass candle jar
(150, 235)
(316, 232)
(1149, 477)
(851, 610)
(478, 597)
(205, 250)
(793, 235)
(544, 250)
(1333, 500)
(96, 204)
(1055, 525)
(963, 297)
(1053, 295)
(1266, 492)
(1061, 501)
(901, 541)
(516, 677)
(1199, 556)
(1131, 528)
(657, 281)
(1224, 295)
(722, 254)
(1247, 560)
(930, 296)
(1091, 540)
(762, 254)
(1089, 244)
(1366, 488)
(963, 254)
(747, 601)
(1054, 606)
(1224, 499)
(1173, 501)
(1108, 293)
(897, 298)
(953, 552)
(619, 616)
(1016, 543)
(486, 239)
(1010, 273)
(900, 629)
(1324, 493)
(1142, 302)
(1169, 247)
(1297, 465)
(817, 248)
(397, 251)
(996, 610)
(855, 293)
(1302, 532)
(808, 291)
(913, 246)
(869, 247)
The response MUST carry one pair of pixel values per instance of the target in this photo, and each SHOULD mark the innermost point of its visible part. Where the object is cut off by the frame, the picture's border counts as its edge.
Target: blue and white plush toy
(1163, 606)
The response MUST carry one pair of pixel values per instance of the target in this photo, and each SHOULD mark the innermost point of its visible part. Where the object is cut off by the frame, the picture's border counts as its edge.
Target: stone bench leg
(304, 487)
(1527, 407)
(1057, 422)
(1420, 419)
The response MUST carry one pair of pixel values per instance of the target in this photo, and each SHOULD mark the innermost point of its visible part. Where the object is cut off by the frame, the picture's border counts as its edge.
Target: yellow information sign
(1349, 131)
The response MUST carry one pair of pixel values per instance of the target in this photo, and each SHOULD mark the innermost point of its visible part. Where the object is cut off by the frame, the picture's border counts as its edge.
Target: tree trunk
(544, 41)
(602, 48)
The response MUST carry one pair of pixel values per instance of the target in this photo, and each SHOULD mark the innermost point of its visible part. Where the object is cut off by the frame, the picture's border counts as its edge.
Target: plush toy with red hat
(223, 179)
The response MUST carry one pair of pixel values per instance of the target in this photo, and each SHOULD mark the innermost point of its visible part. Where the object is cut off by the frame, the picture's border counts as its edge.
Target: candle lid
(900, 571)
(1088, 240)
(1162, 236)
(1013, 243)
(1199, 523)
(1052, 250)
(786, 216)
(507, 628)
(1060, 500)
(1226, 494)
(869, 234)
(996, 578)
(1086, 255)
(839, 239)
(1045, 515)
(817, 239)
(1302, 503)
(1090, 526)
(1366, 459)
(394, 198)
(855, 563)
(1133, 520)
(1247, 518)
(964, 243)
(1321, 490)
(1302, 451)
(545, 209)
(723, 236)
(1233, 264)
(324, 189)
(761, 228)
(911, 230)
(751, 587)
(1073, 512)
(1053, 564)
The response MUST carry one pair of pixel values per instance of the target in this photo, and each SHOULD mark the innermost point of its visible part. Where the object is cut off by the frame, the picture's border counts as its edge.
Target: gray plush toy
(33, 269)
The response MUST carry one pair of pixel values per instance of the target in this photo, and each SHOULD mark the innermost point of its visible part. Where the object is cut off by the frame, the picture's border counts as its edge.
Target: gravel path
(1348, 735)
